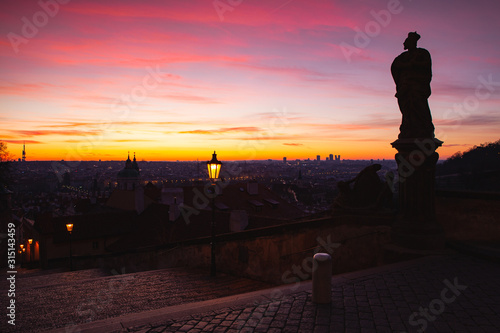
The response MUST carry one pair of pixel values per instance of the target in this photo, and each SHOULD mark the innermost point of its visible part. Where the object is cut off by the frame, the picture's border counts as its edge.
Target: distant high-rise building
(284, 159)
(331, 157)
(318, 158)
(24, 152)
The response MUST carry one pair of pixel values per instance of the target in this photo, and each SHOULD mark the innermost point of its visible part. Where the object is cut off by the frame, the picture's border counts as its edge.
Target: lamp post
(213, 167)
(30, 242)
(69, 227)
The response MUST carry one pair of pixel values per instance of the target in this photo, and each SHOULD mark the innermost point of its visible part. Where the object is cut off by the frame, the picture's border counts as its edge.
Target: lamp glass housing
(214, 167)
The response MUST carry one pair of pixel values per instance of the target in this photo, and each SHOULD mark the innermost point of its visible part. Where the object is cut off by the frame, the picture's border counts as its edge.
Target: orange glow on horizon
(349, 152)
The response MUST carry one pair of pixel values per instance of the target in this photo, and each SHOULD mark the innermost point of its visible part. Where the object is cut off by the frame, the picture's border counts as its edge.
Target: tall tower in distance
(24, 152)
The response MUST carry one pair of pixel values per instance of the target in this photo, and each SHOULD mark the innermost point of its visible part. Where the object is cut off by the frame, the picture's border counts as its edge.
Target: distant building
(129, 177)
(130, 193)
(331, 157)
(284, 159)
(24, 152)
(92, 234)
(318, 158)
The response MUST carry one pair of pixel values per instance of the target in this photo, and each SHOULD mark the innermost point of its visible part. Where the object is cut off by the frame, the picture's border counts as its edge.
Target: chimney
(238, 220)
(173, 211)
(253, 187)
(171, 195)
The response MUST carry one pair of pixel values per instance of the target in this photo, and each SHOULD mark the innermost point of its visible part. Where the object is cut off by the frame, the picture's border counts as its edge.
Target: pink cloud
(192, 98)
(31, 133)
(223, 130)
(22, 141)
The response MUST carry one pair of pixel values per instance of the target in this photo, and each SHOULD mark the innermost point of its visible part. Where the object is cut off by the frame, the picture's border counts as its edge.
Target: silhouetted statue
(412, 74)
(367, 191)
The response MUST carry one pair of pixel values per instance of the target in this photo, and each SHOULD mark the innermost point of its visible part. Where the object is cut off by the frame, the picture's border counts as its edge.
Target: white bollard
(322, 278)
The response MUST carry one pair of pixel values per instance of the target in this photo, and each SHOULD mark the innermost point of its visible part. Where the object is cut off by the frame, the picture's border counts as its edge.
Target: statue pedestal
(416, 226)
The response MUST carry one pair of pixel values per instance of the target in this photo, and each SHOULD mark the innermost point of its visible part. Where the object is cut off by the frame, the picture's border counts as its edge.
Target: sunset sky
(252, 79)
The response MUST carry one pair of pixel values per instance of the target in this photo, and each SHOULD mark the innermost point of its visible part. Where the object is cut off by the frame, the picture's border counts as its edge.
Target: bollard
(322, 278)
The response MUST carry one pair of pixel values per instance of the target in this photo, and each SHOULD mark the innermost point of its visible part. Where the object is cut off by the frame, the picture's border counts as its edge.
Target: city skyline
(252, 80)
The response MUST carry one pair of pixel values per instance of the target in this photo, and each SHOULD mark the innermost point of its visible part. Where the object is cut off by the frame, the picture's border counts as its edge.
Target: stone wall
(467, 218)
(276, 255)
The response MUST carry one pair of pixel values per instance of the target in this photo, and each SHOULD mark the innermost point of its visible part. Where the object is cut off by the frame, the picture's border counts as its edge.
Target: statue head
(411, 41)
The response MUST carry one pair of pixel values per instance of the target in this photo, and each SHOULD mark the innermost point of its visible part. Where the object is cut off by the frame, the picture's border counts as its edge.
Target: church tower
(129, 177)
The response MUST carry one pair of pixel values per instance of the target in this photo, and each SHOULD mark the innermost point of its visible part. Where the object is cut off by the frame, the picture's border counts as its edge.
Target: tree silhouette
(482, 158)
(5, 159)
(476, 169)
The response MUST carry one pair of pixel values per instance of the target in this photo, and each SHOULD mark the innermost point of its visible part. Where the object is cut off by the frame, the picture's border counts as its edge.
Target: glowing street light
(69, 227)
(21, 253)
(30, 242)
(214, 166)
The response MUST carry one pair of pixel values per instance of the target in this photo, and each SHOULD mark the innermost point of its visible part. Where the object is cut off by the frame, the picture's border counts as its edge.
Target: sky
(251, 79)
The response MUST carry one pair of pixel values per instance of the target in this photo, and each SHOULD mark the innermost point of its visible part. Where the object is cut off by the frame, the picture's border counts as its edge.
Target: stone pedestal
(416, 226)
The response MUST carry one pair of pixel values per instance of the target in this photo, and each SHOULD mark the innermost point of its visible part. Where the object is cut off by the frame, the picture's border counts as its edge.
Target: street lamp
(213, 167)
(22, 253)
(30, 241)
(69, 227)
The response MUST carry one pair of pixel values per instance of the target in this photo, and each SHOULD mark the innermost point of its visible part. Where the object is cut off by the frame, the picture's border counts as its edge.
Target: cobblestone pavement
(455, 293)
(67, 299)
